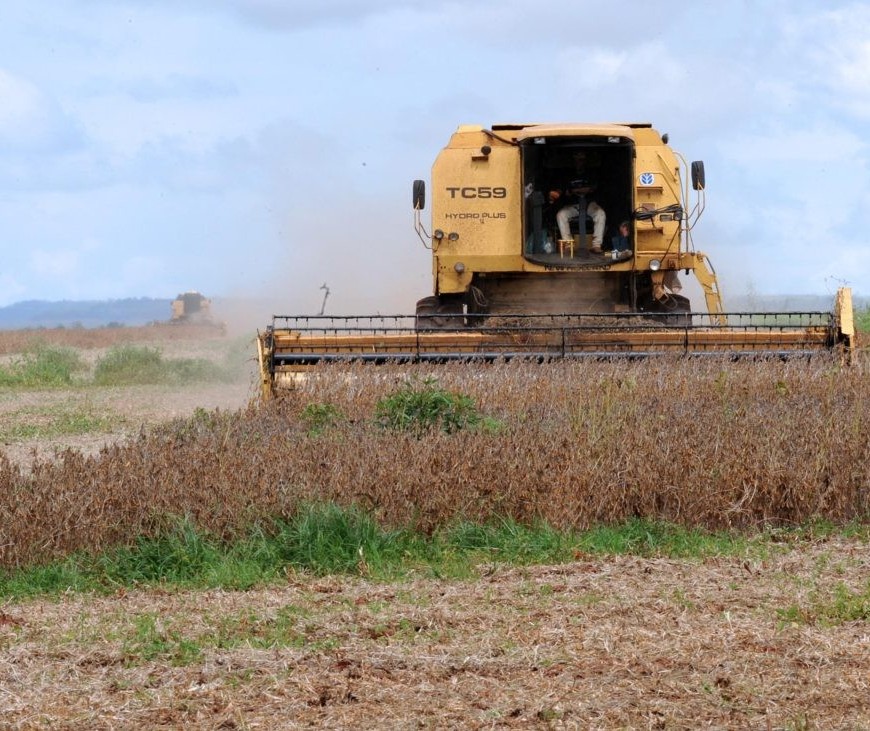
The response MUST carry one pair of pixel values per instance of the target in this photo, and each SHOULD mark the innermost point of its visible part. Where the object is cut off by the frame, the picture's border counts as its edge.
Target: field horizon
(255, 311)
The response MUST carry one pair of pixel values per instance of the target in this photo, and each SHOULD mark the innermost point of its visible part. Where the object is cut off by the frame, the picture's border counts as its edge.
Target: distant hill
(85, 313)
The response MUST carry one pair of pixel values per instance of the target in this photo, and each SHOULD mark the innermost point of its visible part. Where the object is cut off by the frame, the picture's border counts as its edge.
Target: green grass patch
(327, 539)
(862, 321)
(421, 406)
(56, 422)
(150, 637)
(509, 542)
(133, 365)
(837, 607)
(43, 366)
(288, 627)
(318, 418)
(649, 538)
(151, 640)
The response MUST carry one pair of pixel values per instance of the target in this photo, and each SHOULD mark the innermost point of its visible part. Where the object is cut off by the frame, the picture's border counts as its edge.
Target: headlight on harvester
(655, 265)
(459, 267)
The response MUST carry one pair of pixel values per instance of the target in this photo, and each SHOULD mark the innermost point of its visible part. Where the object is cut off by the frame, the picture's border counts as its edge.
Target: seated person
(621, 243)
(571, 212)
(581, 187)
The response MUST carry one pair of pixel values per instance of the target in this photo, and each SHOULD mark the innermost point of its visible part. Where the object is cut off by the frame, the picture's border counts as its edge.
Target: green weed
(421, 406)
(42, 366)
(510, 542)
(843, 606)
(151, 640)
(328, 539)
(285, 629)
(320, 417)
(657, 538)
(51, 423)
(179, 555)
(127, 365)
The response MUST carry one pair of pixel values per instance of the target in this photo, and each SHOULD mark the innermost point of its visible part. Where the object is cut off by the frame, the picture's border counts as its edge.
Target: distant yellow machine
(191, 308)
(530, 259)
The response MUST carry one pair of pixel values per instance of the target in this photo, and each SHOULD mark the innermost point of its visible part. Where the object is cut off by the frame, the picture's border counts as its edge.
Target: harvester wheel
(434, 313)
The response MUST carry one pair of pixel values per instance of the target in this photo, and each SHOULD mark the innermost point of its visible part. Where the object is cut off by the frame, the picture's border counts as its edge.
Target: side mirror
(419, 195)
(698, 182)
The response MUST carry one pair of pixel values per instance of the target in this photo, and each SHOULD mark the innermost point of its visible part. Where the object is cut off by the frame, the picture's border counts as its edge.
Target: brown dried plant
(716, 444)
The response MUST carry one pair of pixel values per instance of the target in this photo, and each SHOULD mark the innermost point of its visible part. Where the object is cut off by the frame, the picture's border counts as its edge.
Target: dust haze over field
(367, 253)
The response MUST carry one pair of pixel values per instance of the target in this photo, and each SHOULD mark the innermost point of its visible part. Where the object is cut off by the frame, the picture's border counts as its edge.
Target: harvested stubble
(627, 642)
(711, 444)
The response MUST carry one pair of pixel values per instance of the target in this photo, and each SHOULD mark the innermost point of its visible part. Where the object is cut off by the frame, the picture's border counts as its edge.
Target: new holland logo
(647, 178)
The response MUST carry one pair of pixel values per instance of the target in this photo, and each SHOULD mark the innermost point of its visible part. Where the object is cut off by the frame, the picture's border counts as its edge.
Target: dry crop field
(27, 415)
(776, 637)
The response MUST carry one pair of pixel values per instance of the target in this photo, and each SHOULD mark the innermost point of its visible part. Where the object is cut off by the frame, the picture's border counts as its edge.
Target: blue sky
(261, 148)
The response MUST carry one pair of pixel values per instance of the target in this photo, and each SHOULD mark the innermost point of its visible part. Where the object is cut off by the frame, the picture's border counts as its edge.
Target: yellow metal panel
(845, 312)
(647, 136)
(575, 130)
(477, 200)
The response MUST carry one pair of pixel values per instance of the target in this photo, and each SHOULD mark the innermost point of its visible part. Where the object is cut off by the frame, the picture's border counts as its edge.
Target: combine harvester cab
(519, 272)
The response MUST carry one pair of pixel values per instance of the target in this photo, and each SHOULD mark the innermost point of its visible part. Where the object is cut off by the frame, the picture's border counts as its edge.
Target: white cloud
(55, 264)
(836, 46)
(777, 92)
(172, 86)
(30, 120)
(138, 271)
(851, 77)
(11, 289)
(830, 143)
(284, 15)
(592, 69)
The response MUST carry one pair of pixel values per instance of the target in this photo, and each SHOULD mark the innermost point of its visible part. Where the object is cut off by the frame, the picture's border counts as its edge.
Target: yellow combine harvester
(191, 307)
(556, 241)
